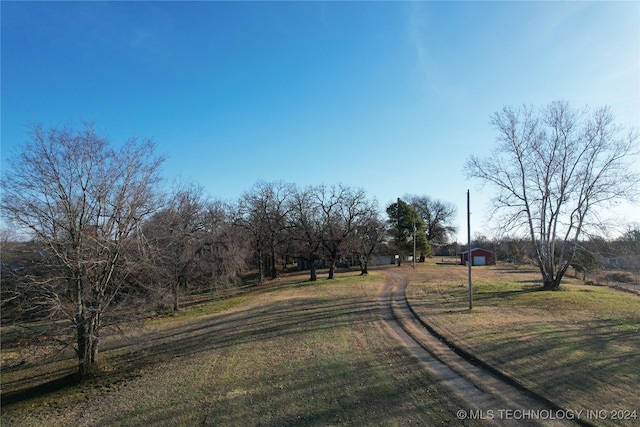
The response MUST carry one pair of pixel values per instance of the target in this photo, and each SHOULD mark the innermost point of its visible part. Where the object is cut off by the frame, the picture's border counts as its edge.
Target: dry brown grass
(292, 353)
(579, 347)
(295, 352)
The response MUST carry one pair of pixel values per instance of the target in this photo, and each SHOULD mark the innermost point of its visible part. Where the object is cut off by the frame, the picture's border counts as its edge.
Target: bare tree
(224, 249)
(262, 212)
(368, 235)
(629, 248)
(437, 216)
(342, 209)
(194, 245)
(83, 201)
(587, 258)
(305, 221)
(25, 284)
(175, 234)
(552, 171)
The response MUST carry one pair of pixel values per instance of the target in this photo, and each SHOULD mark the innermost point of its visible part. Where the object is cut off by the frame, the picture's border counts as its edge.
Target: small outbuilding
(479, 256)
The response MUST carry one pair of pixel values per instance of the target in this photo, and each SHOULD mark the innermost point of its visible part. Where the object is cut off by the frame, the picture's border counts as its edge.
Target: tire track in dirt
(487, 395)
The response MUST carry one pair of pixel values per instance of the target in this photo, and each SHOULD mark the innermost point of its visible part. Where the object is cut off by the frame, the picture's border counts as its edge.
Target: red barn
(479, 256)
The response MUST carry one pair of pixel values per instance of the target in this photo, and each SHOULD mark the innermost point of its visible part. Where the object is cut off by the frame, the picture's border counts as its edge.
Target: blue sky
(389, 96)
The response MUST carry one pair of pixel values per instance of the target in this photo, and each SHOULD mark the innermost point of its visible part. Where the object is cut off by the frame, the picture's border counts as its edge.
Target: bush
(619, 277)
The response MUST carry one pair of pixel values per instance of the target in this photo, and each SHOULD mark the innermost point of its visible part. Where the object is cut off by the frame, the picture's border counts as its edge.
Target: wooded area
(95, 238)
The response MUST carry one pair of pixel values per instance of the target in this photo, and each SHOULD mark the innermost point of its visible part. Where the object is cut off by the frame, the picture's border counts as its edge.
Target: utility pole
(414, 245)
(399, 228)
(469, 255)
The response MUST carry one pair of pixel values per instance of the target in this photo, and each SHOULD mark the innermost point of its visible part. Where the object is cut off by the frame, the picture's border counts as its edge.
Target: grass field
(293, 353)
(579, 347)
(300, 353)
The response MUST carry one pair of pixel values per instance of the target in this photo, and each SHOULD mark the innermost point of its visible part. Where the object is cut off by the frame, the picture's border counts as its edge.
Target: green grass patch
(200, 309)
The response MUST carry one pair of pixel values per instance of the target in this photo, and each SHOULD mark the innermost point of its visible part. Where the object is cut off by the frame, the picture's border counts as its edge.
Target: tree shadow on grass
(514, 270)
(507, 293)
(275, 319)
(565, 359)
(40, 390)
(317, 391)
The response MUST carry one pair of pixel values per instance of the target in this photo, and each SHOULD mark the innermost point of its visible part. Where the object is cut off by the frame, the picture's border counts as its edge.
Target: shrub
(620, 277)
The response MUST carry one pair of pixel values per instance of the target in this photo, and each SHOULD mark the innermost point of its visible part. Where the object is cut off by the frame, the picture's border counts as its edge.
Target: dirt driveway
(489, 397)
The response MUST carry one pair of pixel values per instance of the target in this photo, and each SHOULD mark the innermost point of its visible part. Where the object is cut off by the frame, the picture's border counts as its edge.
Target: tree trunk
(87, 339)
(83, 350)
(86, 331)
(313, 277)
(261, 272)
(182, 280)
(174, 293)
(274, 267)
(550, 284)
(94, 339)
(364, 268)
(332, 267)
(333, 254)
